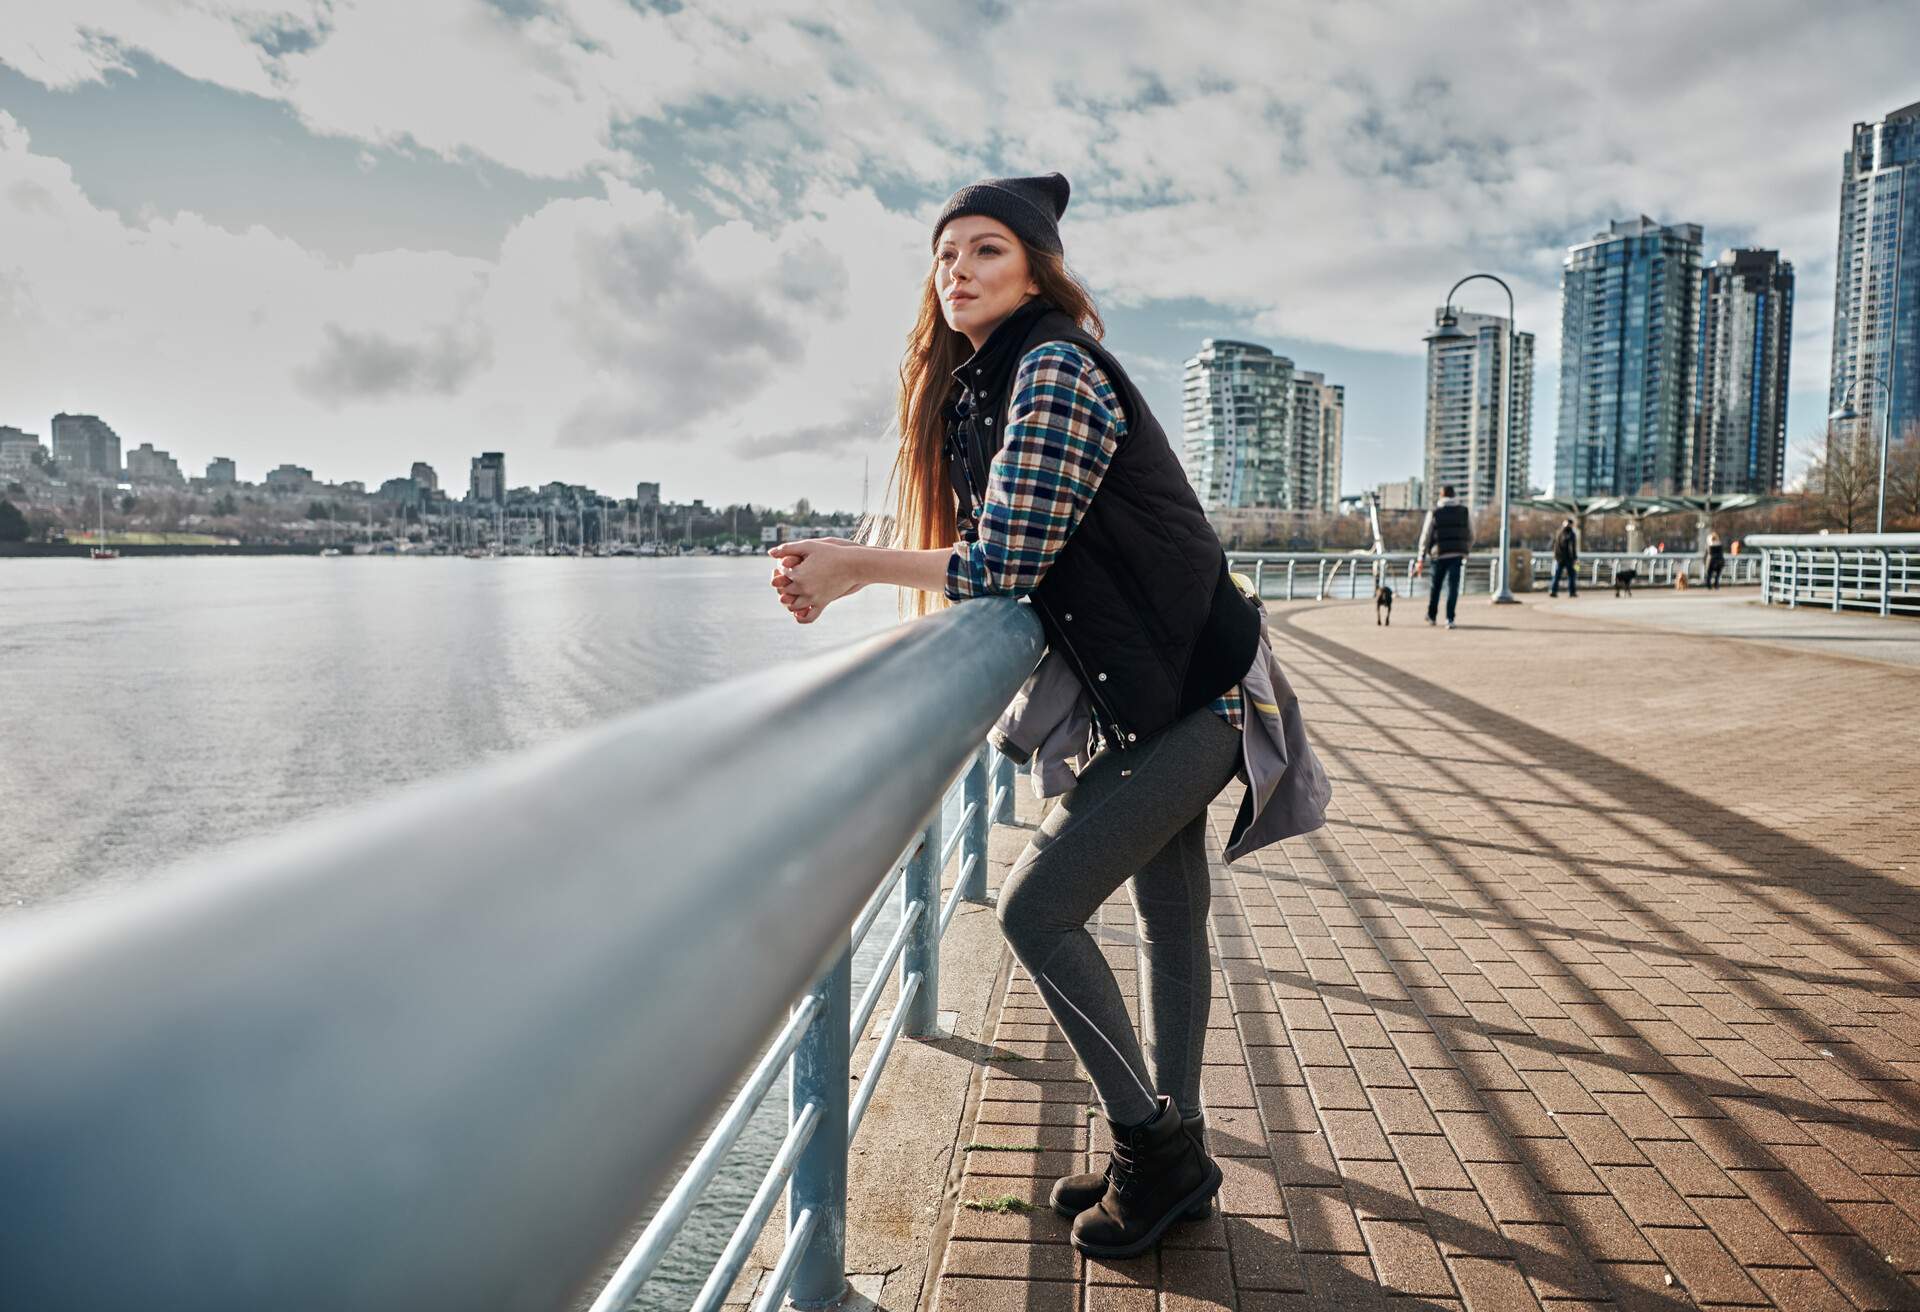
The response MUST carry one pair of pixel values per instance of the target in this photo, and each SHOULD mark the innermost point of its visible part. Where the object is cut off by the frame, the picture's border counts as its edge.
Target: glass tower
(1628, 326)
(1876, 286)
(1739, 441)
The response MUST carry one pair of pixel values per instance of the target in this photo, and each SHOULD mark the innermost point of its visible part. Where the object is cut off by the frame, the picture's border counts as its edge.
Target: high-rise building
(1876, 285)
(647, 495)
(1407, 494)
(1465, 417)
(289, 479)
(222, 471)
(86, 445)
(1237, 410)
(1319, 421)
(147, 465)
(422, 474)
(1628, 302)
(18, 449)
(1258, 432)
(1739, 437)
(487, 481)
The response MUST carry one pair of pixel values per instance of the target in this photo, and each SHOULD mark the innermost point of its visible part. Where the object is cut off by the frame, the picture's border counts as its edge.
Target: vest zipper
(1086, 681)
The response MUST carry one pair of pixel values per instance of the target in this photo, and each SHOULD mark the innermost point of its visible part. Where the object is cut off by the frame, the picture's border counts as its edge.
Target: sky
(683, 243)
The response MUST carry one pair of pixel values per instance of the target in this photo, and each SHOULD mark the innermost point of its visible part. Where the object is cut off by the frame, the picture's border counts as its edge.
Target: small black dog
(1624, 579)
(1383, 605)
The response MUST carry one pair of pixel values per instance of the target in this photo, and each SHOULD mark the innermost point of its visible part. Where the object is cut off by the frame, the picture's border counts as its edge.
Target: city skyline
(695, 246)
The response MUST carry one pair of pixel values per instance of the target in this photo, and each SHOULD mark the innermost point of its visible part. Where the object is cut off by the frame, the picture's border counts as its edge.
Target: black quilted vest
(1452, 531)
(1139, 600)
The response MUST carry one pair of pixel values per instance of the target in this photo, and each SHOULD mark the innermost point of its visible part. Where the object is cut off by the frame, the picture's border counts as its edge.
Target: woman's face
(980, 273)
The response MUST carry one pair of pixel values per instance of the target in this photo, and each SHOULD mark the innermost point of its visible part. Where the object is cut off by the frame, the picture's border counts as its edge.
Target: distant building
(1876, 303)
(1407, 494)
(222, 471)
(796, 532)
(1739, 440)
(1319, 424)
(146, 465)
(404, 490)
(487, 480)
(1465, 416)
(351, 487)
(646, 495)
(423, 475)
(19, 450)
(1257, 432)
(289, 479)
(1629, 300)
(85, 444)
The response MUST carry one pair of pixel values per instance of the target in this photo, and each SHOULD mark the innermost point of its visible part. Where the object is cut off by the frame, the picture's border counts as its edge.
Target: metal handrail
(335, 1067)
(1877, 572)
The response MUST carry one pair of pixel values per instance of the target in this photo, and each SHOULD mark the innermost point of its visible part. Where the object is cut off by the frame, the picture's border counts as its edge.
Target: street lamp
(1449, 331)
(1847, 414)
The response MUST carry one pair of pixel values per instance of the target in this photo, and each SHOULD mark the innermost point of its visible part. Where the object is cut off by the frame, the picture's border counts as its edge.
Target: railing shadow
(1613, 1040)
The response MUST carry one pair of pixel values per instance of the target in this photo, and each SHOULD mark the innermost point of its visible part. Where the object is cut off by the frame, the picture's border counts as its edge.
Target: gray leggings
(1136, 817)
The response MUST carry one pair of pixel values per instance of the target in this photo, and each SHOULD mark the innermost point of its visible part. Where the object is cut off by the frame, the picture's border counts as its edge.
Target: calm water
(154, 708)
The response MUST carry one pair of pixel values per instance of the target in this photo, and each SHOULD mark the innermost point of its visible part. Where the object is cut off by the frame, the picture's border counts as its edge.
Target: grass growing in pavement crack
(1003, 1203)
(1004, 1056)
(1001, 1148)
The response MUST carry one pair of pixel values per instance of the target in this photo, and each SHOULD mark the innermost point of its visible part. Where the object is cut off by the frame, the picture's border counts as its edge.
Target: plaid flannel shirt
(1062, 430)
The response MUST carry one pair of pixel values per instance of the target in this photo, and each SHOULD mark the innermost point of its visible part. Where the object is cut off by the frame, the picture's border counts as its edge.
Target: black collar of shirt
(986, 372)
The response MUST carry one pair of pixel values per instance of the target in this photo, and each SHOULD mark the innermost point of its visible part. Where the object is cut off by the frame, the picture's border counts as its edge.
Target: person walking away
(1446, 537)
(1716, 558)
(1031, 466)
(1566, 559)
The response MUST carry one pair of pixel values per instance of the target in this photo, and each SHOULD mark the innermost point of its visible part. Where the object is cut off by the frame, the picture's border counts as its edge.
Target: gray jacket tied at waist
(1049, 722)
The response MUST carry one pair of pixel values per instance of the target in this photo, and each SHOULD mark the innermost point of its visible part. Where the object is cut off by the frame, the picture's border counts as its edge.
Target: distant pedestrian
(1566, 559)
(1446, 537)
(1716, 559)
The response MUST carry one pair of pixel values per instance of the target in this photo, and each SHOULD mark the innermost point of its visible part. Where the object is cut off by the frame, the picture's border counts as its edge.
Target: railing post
(1289, 580)
(978, 793)
(1004, 774)
(1259, 577)
(819, 1074)
(922, 956)
(1323, 582)
(1836, 580)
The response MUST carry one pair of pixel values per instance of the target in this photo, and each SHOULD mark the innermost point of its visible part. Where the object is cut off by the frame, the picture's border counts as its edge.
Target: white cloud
(1319, 171)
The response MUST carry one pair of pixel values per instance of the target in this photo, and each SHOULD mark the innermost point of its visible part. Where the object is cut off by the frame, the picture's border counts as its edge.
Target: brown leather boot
(1074, 1194)
(1156, 1177)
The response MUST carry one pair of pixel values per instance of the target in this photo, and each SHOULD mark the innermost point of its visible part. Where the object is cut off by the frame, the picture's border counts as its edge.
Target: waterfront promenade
(1601, 988)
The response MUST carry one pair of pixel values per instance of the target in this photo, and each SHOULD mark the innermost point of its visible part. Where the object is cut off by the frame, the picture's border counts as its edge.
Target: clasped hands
(813, 572)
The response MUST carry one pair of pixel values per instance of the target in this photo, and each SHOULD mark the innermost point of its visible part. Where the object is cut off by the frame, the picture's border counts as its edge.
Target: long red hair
(924, 510)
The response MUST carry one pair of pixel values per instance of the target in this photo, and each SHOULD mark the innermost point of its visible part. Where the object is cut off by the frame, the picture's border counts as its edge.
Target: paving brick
(1406, 1259)
(1263, 1252)
(1489, 1285)
(1322, 1221)
(1703, 1266)
(1196, 1280)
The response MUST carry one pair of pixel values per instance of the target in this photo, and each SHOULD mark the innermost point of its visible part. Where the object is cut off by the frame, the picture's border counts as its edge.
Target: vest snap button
(1069, 617)
(1103, 676)
(989, 421)
(1129, 737)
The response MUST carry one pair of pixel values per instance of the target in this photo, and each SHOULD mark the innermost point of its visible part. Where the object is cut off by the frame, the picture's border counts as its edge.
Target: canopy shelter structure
(1638, 510)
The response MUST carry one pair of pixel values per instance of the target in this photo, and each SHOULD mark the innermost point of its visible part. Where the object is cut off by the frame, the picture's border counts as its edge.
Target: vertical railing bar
(877, 985)
(818, 1084)
(971, 882)
(922, 957)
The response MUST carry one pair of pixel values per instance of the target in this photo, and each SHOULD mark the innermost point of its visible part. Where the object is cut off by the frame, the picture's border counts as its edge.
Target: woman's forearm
(925, 570)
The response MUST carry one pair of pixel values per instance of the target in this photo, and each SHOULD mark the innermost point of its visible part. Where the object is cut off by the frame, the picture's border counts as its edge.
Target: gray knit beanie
(1031, 207)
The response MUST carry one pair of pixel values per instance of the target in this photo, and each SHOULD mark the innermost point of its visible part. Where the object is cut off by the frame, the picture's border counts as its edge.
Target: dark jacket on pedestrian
(1448, 530)
(1566, 546)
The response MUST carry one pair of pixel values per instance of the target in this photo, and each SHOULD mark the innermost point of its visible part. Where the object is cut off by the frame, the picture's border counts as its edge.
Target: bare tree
(1843, 478)
(1903, 478)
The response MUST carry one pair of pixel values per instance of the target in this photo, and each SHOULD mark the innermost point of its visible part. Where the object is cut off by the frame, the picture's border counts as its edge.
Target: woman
(1716, 558)
(1029, 465)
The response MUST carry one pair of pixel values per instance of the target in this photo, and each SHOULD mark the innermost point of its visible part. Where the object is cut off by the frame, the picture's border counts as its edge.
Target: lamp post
(1846, 414)
(1447, 331)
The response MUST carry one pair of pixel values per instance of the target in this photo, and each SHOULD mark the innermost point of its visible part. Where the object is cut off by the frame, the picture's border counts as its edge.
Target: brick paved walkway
(1601, 988)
